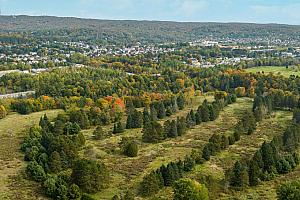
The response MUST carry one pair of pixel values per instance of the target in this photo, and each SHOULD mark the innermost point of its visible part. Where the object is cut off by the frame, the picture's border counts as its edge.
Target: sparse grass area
(128, 172)
(276, 70)
(12, 130)
(215, 168)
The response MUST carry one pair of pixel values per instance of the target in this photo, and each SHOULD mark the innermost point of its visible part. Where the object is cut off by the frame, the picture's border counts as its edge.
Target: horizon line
(151, 20)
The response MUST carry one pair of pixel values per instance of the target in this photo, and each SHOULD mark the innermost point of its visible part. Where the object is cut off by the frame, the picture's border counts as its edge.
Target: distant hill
(118, 31)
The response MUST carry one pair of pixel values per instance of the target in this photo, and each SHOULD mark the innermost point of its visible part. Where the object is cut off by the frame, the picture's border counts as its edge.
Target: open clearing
(13, 185)
(276, 70)
(215, 168)
(128, 172)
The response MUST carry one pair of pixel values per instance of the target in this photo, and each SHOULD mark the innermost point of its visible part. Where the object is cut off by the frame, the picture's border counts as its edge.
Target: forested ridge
(125, 32)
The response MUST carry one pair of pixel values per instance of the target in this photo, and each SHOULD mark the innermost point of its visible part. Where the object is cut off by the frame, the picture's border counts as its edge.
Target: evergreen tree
(55, 162)
(134, 119)
(254, 173)
(129, 122)
(173, 129)
(239, 176)
(190, 119)
(205, 116)
(267, 156)
(153, 132)
(161, 110)
(89, 175)
(118, 128)
(151, 184)
(153, 113)
(98, 133)
(180, 101)
(198, 117)
(181, 126)
(146, 116)
(296, 115)
(189, 163)
(129, 147)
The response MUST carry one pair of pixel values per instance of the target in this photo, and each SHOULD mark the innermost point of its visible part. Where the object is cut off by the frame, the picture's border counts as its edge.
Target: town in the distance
(146, 110)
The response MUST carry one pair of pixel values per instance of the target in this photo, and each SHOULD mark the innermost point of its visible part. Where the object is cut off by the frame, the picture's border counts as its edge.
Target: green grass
(128, 172)
(276, 70)
(12, 130)
(217, 166)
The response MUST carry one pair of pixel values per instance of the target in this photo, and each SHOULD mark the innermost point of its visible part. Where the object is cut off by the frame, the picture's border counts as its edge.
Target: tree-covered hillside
(124, 32)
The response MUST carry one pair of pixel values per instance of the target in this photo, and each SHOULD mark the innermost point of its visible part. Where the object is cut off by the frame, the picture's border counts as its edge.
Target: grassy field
(276, 70)
(214, 170)
(12, 129)
(128, 172)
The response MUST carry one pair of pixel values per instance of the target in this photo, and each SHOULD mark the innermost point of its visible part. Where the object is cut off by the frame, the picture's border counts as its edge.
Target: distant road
(17, 94)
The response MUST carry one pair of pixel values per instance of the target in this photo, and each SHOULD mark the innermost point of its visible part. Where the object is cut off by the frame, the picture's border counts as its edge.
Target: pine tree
(267, 156)
(198, 117)
(181, 126)
(161, 110)
(129, 122)
(118, 127)
(206, 152)
(146, 116)
(254, 173)
(153, 113)
(205, 116)
(55, 162)
(173, 129)
(151, 184)
(98, 133)
(153, 132)
(180, 101)
(239, 176)
(189, 163)
(296, 115)
(190, 119)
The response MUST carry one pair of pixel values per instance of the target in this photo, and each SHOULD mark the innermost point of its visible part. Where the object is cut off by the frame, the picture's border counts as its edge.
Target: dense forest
(130, 32)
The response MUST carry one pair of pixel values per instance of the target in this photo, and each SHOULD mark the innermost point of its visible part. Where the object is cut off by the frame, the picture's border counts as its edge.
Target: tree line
(51, 150)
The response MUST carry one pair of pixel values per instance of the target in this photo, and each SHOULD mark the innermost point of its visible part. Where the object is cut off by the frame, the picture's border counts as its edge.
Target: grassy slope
(12, 130)
(128, 172)
(275, 70)
(244, 148)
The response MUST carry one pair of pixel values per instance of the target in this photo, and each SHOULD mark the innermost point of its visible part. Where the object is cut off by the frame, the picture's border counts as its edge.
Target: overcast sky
(258, 11)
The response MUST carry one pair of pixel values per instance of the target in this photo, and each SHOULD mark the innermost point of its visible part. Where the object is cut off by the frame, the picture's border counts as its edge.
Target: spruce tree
(173, 129)
(153, 113)
(181, 126)
(146, 116)
(153, 132)
(180, 101)
(205, 116)
(254, 173)
(239, 176)
(118, 127)
(161, 110)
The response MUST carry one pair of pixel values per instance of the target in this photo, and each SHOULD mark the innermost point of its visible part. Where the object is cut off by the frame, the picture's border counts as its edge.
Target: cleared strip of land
(12, 165)
(128, 172)
(243, 149)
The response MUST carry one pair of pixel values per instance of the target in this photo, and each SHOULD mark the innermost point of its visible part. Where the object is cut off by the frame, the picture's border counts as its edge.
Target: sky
(256, 11)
